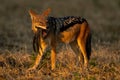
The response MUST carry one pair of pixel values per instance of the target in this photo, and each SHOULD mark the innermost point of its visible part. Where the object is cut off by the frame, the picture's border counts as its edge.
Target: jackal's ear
(32, 13)
(46, 12)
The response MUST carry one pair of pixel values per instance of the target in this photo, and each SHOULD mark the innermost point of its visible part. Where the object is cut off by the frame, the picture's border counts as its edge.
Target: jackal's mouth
(44, 32)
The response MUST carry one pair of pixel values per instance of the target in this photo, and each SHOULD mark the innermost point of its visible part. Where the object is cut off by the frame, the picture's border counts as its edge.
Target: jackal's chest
(70, 34)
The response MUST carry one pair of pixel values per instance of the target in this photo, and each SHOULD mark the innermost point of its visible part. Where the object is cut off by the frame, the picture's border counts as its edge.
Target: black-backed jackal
(49, 30)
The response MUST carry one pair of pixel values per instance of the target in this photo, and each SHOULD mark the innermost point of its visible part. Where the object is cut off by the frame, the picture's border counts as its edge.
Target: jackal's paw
(86, 64)
(86, 67)
(32, 69)
(53, 67)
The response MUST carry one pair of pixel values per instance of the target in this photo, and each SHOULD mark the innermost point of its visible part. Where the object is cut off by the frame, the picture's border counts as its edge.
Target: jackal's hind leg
(82, 45)
(75, 48)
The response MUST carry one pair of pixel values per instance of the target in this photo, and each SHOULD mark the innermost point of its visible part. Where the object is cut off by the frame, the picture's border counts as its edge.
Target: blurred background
(15, 23)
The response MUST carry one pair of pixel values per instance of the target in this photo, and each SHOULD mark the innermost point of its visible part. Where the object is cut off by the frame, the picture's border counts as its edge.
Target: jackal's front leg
(40, 54)
(37, 61)
(53, 52)
(53, 58)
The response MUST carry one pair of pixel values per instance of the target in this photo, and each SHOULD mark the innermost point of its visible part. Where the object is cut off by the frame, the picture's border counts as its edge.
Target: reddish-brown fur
(78, 36)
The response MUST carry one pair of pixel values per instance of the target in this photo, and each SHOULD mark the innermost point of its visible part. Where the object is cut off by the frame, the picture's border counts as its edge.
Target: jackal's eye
(40, 23)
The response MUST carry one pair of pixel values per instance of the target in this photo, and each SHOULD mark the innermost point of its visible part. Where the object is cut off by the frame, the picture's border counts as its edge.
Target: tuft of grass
(92, 78)
(93, 62)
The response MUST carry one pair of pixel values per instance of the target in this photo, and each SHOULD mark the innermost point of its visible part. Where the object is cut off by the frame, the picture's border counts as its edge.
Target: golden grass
(104, 64)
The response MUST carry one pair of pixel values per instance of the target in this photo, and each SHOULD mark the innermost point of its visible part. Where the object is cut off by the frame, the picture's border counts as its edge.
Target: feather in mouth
(42, 27)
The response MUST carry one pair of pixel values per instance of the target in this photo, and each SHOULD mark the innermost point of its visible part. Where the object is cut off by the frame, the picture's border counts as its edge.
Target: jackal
(70, 29)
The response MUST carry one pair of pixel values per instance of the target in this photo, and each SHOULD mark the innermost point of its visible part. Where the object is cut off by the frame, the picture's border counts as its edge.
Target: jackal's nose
(34, 30)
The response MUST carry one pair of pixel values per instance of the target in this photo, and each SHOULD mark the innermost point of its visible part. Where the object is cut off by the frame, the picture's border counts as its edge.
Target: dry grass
(16, 53)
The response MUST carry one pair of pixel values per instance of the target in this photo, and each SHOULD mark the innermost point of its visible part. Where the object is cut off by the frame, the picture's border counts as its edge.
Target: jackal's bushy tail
(88, 46)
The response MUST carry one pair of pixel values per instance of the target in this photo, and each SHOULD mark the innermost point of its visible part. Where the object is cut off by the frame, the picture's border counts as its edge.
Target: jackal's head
(39, 20)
